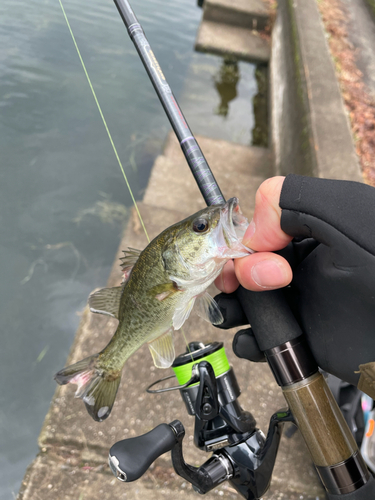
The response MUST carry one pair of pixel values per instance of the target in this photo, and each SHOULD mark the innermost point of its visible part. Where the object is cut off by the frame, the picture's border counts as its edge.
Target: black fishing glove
(333, 290)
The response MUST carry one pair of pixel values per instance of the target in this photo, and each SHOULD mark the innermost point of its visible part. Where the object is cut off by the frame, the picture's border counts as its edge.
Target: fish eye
(200, 225)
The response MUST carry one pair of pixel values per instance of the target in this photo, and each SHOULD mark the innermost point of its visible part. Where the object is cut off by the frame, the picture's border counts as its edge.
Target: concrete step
(232, 41)
(174, 177)
(67, 477)
(250, 14)
(171, 174)
(223, 155)
(70, 477)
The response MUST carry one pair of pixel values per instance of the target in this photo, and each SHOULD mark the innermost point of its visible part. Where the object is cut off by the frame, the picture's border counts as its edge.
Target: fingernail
(268, 274)
(249, 232)
(222, 281)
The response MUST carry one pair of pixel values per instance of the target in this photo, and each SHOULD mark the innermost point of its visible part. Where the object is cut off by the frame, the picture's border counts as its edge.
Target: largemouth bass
(161, 285)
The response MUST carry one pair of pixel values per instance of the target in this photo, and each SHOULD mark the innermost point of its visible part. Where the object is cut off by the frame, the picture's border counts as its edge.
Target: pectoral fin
(182, 313)
(162, 350)
(106, 301)
(207, 308)
(161, 292)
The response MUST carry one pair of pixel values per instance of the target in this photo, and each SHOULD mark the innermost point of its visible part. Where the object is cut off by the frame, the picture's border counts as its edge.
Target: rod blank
(193, 154)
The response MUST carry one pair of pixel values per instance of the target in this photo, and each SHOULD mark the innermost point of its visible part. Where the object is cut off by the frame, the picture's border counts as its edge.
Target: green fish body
(161, 285)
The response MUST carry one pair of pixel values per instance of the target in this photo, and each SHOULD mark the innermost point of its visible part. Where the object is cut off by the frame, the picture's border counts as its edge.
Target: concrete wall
(310, 128)
(290, 130)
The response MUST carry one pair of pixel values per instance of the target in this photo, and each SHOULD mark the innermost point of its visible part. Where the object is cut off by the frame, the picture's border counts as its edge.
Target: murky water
(63, 199)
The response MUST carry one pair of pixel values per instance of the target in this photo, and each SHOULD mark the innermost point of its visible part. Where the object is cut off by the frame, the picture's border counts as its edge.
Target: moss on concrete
(260, 102)
(307, 166)
(371, 4)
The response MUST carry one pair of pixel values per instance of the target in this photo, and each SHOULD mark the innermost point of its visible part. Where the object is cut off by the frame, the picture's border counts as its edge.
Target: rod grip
(270, 317)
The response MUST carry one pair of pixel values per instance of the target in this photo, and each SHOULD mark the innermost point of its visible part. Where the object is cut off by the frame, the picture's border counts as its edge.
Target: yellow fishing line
(110, 137)
(104, 121)
(187, 345)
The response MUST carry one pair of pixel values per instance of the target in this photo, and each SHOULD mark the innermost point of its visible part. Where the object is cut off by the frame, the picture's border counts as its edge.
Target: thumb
(264, 233)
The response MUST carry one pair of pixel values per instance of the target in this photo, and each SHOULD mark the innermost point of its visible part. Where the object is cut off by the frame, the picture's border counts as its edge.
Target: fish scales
(162, 284)
(137, 323)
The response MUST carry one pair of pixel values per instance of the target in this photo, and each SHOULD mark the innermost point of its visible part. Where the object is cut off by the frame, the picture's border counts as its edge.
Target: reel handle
(130, 458)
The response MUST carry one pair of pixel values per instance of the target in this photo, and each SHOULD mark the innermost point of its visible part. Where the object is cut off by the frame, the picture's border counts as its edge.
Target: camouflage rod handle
(322, 425)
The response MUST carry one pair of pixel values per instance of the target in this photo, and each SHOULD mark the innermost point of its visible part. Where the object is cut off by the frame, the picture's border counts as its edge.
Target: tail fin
(96, 386)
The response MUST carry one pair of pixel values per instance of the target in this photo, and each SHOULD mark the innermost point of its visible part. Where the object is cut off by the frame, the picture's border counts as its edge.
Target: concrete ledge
(250, 14)
(231, 41)
(62, 478)
(183, 188)
(223, 155)
(310, 128)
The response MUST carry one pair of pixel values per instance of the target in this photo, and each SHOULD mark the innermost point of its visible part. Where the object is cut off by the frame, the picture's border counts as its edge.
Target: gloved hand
(332, 258)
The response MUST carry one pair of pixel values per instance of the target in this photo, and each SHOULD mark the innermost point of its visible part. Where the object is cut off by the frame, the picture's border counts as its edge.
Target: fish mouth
(237, 221)
(231, 230)
(234, 223)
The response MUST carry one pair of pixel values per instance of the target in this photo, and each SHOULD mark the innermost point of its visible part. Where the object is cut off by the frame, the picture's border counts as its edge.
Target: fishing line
(187, 345)
(104, 121)
(110, 138)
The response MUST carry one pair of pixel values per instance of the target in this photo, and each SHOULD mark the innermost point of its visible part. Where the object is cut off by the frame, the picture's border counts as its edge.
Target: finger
(227, 280)
(263, 271)
(264, 232)
(231, 310)
(245, 346)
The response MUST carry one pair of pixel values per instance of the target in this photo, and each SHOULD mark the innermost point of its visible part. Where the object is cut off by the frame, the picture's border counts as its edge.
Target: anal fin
(162, 350)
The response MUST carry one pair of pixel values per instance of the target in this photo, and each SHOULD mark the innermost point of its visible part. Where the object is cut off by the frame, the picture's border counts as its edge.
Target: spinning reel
(241, 455)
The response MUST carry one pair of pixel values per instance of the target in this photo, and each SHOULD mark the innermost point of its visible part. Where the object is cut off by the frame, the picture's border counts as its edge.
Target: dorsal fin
(130, 257)
(106, 301)
(127, 262)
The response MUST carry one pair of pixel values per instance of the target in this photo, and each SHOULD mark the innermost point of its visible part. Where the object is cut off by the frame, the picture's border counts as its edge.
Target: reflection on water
(63, 200)
(227, 110)
(260, 130)
(226, 83)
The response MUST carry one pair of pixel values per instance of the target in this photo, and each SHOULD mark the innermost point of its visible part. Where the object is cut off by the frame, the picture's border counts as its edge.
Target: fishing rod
(313, 408)
(193, 153)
